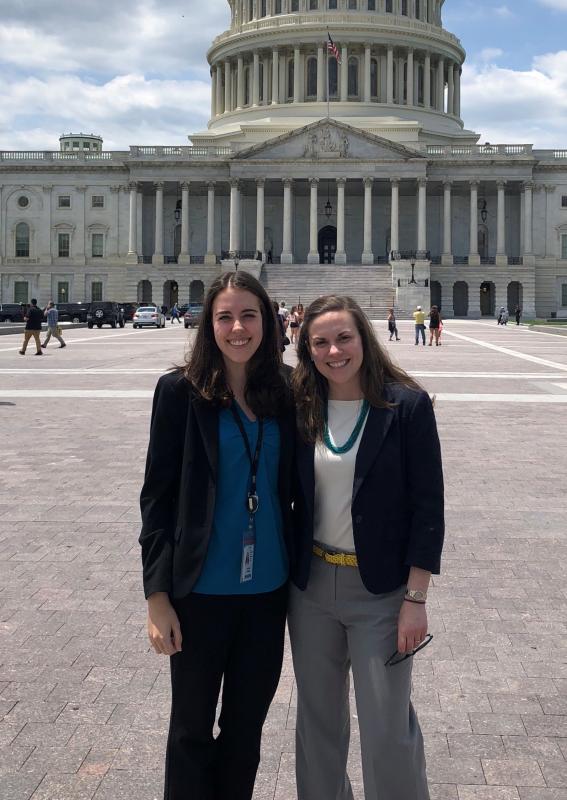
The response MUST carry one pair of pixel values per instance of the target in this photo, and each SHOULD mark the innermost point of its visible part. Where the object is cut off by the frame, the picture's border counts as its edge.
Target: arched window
(290, 78)
(374, 77)
(22, 240)
(312, 77)
(333, 78)
(353, 77)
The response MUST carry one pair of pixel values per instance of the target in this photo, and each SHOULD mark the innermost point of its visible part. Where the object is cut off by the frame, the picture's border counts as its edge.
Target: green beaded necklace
(348, 445)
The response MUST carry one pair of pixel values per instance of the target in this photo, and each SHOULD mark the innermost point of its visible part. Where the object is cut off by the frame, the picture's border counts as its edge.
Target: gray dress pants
(337, 624)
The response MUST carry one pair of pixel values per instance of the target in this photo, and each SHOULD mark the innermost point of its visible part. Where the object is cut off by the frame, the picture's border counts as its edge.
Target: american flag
(333, 49)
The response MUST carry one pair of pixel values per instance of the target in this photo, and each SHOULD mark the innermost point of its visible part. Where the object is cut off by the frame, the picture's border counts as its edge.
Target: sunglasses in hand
(397, 658)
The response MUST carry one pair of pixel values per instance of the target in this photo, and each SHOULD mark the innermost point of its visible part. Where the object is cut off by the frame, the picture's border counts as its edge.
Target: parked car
(105, 313)
(129, 310)
(151, 316)
(11, 312)
(192, 316)
(72, 312)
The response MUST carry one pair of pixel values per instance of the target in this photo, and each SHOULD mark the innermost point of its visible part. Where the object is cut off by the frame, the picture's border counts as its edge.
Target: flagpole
(328, 79)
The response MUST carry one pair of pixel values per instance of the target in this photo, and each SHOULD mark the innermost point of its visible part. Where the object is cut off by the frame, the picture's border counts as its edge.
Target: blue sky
(136, 73)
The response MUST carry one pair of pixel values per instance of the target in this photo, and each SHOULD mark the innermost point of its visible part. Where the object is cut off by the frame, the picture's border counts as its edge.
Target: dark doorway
(327, 245)
(196, 292)
(170, 293)
(487, 299)
(436, 294)
(460, 299)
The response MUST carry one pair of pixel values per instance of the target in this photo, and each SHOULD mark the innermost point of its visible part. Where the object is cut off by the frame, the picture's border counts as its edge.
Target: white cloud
(560, 5)
(503, 12)
(506, 105)
(490, 54)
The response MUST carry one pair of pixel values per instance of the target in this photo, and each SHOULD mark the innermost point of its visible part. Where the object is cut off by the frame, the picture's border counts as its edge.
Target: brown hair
(311, 388)
(266, 390)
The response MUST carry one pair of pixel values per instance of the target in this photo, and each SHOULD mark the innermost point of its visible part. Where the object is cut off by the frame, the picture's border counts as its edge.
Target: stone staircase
(370, 286)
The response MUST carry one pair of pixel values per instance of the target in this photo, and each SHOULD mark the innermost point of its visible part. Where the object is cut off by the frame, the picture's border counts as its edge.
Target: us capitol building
(348, 170)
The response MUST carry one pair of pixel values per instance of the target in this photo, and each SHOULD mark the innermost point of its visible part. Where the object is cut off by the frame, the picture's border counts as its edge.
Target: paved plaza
(84, 704)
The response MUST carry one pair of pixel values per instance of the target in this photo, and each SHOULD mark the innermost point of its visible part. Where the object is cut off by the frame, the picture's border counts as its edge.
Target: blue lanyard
(252, 501)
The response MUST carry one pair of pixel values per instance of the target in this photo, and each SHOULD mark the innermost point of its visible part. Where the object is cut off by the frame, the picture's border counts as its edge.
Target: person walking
(419, 317)
(53, 328)
(392, 326)
(503, 316)
(368, 533)
(33, 320)
(284, 314)
(518, 314)
(216, 524)
(434, 326)
(175, 315)
(293, 325)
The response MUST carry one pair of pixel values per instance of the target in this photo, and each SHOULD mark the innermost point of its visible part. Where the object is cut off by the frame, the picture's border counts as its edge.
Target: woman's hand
(412, 626)
(164, 630)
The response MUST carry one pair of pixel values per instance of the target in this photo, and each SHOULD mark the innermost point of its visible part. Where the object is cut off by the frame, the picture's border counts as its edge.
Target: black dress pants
(237, 641)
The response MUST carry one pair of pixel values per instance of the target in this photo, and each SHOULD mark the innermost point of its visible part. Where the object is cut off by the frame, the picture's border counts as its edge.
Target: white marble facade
(383, 174)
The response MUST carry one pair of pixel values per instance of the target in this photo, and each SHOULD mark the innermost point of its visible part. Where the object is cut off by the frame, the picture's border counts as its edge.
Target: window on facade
(64, 201)
(97, 245)
(95, 146)
(389, 8)
(278, 7)
(263, 8)
(405, 8)
(63, 292)
(63, 245)
(396, 83)
(312, 77)
(76, 145)
(353, 77)
(86, 145)
(295, 5)
(564, 201)
(332, 5)
(97, 201)
(420, 85)
(374, 78)
(21, 292)
(405, 89)
(250, 10)
(564, 295)
(353, 5)
(418, 9)
(290, 78)
(22, 240)
(96, 291)
(333, 78)
(23, 201)
(564, 246)
(313, 5)
(261, 80)
(247, 86)
(372, 5)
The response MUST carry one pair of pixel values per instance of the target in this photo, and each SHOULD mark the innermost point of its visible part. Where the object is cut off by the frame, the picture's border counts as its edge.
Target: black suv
(11, 312)
(72, 312)
(105, 313)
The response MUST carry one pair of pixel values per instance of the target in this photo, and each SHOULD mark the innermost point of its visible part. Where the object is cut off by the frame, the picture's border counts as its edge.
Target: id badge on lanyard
(252, 501)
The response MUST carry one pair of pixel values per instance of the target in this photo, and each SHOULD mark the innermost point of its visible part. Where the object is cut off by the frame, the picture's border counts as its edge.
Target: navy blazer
(178, 496)
(397, 498)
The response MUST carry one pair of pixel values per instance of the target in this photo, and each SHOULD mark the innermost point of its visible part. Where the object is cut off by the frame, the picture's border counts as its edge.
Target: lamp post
(412, 280)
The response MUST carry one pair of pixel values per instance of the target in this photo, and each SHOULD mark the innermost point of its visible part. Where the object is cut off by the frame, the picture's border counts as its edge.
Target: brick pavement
(84, 704)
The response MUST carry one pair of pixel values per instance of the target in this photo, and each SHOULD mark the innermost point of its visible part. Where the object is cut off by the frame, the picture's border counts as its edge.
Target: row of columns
(447, 73)
(244, 11)
(340, 256)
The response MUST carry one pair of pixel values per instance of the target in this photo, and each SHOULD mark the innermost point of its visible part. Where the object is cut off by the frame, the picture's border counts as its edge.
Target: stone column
(395, 215)
(140, 219)
(528, 221)
(234, 240)
(44, 245)
(132, 257)
(410, 71)
(210, 255)
(367, 254)
(313, 255)
(421, 217)
(321, 77)
(266, 81)
(344, 73)
(447, 255)
(451, 90)
(113, 244)
(213, 93)
(240, 83)
(390, 75)
(427, 81)
(367, 65)
(219, 90)
(340, 255)
(275, 77)
(297, 76)
(441, 85)
(158, 257)
(256, 80)
(501, 256)
(260, 205)
(287, 252)
(474, 258)
(227, 87)
(457, 79)
(184, 257)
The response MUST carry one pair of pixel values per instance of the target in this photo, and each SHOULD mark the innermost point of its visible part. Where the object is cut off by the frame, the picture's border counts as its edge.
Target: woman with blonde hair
(368, 534)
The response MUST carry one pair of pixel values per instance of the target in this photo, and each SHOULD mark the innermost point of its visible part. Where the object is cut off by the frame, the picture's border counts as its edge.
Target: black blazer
(178, 496)
(397, 498)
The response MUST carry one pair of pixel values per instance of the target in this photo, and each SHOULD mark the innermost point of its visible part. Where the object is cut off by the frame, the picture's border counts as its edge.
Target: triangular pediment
(328, 140)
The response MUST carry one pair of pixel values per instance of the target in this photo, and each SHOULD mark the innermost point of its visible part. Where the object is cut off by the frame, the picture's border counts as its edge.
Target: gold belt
(338, 559)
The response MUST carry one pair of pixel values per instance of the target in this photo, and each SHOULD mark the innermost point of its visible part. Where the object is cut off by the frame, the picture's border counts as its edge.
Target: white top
(334, 478)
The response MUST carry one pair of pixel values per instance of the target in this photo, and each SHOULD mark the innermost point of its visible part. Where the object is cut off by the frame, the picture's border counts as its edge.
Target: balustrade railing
(460, 150)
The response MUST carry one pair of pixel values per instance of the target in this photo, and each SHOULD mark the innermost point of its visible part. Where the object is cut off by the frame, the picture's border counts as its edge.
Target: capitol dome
(397, 75)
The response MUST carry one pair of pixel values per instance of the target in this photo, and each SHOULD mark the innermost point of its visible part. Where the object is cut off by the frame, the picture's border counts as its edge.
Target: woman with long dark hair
(368, 533)
(215, 525)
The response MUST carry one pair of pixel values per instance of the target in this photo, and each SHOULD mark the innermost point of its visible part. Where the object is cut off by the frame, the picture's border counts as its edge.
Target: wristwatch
(416, 595)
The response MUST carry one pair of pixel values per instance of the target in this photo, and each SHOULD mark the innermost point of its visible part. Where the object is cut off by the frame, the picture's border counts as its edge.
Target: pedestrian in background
(53, 327)
(33, 320)
(503, 316)
(419, 317)
(293, 325)
(434, 326)
(216, 520)
(518, 314)
(284, 314)
(392, 326)
(175, 315)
